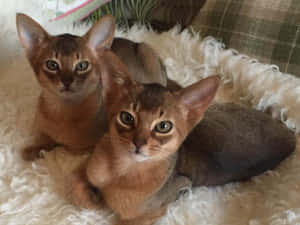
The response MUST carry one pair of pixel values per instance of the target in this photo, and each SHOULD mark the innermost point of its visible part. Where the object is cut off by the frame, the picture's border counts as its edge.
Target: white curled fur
(32, 193)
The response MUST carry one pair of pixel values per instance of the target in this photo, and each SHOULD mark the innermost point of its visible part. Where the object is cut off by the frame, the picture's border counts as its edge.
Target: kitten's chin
(71, 95)
(67, 94)
(140, 157)
(66, 91)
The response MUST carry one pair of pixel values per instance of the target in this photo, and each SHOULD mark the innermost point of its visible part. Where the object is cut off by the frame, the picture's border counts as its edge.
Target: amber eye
(163, 127)
(82, 66)
(52, 65)
(126, 118)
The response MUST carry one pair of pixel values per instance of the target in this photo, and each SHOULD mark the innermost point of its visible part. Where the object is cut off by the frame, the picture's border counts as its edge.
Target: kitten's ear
(31, 34)
(101, 35)
(197, 97)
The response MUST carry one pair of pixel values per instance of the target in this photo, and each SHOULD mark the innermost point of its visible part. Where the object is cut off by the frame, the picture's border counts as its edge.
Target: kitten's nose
(138, 144)
(137, 150)
(67, 81)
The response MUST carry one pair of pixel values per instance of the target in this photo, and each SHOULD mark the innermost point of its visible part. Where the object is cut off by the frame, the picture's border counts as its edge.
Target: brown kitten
(133, 167)
(233, 143)
(134, 164)
(68, 68)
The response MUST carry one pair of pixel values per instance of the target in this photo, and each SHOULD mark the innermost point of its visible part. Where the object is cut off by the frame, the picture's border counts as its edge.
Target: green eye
(52, 65)
(126, 118)
(163, 127)
(82, 66)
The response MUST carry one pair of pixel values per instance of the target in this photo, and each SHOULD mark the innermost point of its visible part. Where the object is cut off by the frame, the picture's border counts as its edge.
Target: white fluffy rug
(32, 193)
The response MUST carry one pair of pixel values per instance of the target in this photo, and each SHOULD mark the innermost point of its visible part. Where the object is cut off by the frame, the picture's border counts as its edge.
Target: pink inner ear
(30, 39)
(30, 32)
(198, 96)
(102, 33)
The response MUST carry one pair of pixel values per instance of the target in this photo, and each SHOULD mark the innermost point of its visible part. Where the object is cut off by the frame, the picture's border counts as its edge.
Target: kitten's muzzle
(139, 155)
(67, 81)
(66, 89)
(139, 142)
(137, 150)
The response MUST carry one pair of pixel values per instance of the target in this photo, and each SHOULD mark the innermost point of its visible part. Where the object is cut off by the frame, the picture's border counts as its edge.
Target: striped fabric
(268, 30)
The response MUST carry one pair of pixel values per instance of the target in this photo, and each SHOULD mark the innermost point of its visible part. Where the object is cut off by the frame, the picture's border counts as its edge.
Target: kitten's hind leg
(41, 142)
(80, 191)
(171, 190)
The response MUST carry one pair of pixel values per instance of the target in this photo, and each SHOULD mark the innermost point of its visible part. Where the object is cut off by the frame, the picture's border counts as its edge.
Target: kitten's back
(142, 61)
(234, 143)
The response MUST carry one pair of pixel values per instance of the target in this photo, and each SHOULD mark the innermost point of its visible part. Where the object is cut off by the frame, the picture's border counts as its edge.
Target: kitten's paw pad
(31, 153)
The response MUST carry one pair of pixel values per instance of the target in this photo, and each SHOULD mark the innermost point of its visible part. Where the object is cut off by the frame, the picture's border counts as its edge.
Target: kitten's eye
(82, 66)
(52, 65)
(163, 127)
(126, 118)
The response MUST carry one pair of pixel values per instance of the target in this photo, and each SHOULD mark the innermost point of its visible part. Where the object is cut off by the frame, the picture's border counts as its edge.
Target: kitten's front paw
(80, 192)
(85, 196)
(31, 153)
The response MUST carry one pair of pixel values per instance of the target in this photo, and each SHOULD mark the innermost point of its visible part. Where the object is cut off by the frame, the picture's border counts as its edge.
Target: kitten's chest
(76, 133)
(130, 193)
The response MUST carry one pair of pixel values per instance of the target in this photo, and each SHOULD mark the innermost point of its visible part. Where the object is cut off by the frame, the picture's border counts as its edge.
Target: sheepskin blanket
(33, 193)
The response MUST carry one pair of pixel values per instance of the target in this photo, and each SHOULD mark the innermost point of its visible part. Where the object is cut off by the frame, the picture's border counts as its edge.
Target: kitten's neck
(55, 106)
(142, 172)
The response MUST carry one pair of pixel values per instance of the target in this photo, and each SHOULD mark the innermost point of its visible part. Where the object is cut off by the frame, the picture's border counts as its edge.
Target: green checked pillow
(268, 30)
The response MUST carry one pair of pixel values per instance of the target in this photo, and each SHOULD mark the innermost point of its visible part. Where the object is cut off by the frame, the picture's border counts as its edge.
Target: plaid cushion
(172, 12)
(265, 29)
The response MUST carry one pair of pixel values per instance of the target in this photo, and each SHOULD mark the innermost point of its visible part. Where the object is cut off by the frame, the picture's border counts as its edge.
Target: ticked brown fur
(133, 165)
(70, 110)
(141, 60)
(231, 143)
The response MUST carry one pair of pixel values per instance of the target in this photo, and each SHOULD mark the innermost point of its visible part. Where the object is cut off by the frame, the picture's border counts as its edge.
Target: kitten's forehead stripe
(132, 107)
(135, 104)
(152, 97)
(161, 113)
(67, 44)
